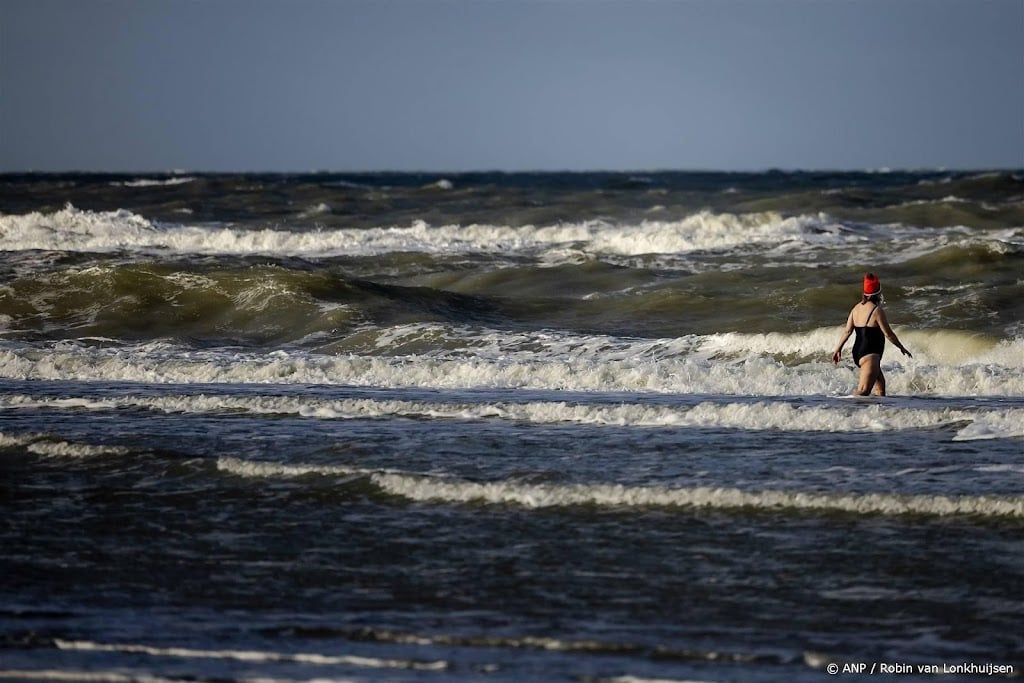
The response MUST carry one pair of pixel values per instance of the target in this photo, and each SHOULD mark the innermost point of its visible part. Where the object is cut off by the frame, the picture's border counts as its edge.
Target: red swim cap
(871, 284)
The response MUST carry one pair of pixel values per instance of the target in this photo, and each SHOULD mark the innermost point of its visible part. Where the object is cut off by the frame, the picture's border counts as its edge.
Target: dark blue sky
(297, 85)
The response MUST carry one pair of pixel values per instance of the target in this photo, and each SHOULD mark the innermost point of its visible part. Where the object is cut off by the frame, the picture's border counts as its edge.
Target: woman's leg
(870, 368)
(880, 381)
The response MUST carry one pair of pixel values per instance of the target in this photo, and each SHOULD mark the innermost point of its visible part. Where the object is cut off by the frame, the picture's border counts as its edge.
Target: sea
(505, 427)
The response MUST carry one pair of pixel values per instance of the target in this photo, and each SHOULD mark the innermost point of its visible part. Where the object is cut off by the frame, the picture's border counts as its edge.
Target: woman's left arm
(883, 322)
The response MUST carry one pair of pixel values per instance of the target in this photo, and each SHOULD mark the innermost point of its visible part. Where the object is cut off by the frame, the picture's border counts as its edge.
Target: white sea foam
(252, 655)
(16, 440)
(63, 449)
(981, 424)
(258, 469)
(950, 199)
(425, 488)
(18, 401)
(1014, 469)
(43, 444)
(82, 676)
(993, 425)
(930, 347)
(122, 676)
(492, 640)
(154, 182)
(730, 364)
(72, 229)
(316, 210)
(607, 495)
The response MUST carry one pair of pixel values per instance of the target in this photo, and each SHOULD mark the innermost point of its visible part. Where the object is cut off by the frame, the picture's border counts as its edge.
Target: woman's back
(864, 314)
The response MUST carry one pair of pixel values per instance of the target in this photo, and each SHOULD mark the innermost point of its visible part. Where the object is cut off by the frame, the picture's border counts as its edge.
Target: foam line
(623, 367)
(249, 468)
(424, 488)
(78, 676)
(63, 449)
(72, 229)
(605, 495)
(154, 182)
(17, 440)
(253, 655)
(43, 444)
(527, 642)
(993, 425)
(988, 424)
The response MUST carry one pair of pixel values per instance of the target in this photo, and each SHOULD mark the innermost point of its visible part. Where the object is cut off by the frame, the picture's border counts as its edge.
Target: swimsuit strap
(868, 319)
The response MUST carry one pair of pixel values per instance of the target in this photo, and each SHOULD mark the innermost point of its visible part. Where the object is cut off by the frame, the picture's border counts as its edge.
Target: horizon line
(482, 171)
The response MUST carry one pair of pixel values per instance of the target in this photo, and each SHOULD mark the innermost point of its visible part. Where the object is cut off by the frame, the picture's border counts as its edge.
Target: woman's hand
(906, 353)
(835, 357)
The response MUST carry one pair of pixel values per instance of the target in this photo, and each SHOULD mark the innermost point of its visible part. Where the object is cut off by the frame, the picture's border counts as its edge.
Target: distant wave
(153, 182)
(72, 229)
(77, 230)
(252, 655)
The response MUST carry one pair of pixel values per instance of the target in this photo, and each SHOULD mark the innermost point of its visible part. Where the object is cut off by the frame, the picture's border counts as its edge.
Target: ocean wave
(550, 644)
(48, 446)
(980, 424)
(73, 229)
(252, 655)
(556, 361)
(63, 449)
(210, 300)
(259, 469)
(319, 209)
(91, 676)
(426, 488)
(378, 635)
(153, 182)
(931, 347)
(17, 440)
(994, 425)
(126, 300)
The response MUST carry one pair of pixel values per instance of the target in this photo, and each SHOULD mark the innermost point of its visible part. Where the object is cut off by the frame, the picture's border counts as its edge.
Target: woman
(868, 320)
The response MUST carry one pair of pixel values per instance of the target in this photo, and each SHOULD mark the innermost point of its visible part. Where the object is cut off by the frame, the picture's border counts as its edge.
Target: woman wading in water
(868, 320)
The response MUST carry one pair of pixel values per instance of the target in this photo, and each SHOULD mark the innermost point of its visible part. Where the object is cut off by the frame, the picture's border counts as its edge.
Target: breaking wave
(948, 364)
(760, 415)
(452, 490)
(73, 229)
(252, 655)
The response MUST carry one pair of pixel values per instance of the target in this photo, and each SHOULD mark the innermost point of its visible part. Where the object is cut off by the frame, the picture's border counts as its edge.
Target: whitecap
(726, 364)
(154, 182)
(424, 488)
(760, 415)
(251, 655)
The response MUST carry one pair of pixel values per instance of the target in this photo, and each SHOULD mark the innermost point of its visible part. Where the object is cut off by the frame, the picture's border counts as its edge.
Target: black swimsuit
(870, 340)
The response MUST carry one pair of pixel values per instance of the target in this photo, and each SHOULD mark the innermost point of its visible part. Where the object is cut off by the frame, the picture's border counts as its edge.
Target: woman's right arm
(838, 351)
